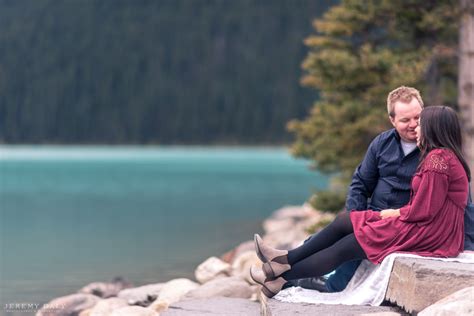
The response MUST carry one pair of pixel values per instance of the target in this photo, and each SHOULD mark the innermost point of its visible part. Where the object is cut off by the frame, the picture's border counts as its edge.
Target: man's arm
(364, 179)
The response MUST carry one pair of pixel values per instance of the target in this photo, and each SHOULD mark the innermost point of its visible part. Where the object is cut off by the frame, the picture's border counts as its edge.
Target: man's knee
(342, 276)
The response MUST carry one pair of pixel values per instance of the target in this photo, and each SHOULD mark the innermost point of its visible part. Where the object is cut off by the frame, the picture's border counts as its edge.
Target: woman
(431, 224)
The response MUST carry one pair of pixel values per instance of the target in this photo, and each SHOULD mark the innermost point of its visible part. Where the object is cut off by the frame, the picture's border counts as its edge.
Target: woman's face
(418, 133)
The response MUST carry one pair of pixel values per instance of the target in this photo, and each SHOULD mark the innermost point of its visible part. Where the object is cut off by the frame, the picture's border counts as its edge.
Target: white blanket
(367, 287)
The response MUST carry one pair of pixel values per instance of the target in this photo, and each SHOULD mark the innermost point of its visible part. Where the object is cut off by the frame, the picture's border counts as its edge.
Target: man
(383, 178)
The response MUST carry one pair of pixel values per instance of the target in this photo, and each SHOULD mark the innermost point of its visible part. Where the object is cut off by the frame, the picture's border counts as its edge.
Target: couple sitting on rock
(385, 213)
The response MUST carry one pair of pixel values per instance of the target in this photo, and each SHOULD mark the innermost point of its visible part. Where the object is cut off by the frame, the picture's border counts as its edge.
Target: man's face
(406, 118)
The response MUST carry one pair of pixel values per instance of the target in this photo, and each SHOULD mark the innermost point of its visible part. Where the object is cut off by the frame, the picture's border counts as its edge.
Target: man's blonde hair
(403, 94)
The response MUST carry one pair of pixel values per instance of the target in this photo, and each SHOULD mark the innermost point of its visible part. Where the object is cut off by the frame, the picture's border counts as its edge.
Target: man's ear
(392, 120)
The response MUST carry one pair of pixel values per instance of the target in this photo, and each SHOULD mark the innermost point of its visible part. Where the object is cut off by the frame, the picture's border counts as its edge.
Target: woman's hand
(390, 213)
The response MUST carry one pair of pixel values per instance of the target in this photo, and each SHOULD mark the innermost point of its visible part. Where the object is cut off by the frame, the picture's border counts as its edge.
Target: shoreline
(218, 276)
(222, 285)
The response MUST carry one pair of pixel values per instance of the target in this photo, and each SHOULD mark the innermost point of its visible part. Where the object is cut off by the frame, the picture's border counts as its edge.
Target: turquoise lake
(74, 215)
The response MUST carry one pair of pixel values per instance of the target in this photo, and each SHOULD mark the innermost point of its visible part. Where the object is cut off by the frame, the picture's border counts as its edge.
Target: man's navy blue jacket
(383, 178)
(381, 181)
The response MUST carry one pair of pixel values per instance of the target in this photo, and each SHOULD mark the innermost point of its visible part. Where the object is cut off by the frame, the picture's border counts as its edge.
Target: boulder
(272, 307)
(134, 311)
(212, 268)
(172, 292)
(68, 305)
(217, 306)
(143, 295)
(105, 289)
(241, 265)
(230, 256)
(286, 228)
(224, 287)
(416, 283)
(459, 303)
(106, 307)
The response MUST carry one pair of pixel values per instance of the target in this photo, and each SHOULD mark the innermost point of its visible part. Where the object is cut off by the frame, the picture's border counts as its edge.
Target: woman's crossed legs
(325, 251)
(319, 255)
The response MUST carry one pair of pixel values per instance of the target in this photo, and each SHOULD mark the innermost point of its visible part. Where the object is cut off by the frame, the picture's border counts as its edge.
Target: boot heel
(267, 292)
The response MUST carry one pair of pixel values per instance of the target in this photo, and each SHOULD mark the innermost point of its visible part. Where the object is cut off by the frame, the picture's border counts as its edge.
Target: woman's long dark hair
(440, 128)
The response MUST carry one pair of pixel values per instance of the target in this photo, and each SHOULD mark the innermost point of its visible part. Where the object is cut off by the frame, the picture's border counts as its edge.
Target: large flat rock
(272, 307)
(224, 306)
(418, 283)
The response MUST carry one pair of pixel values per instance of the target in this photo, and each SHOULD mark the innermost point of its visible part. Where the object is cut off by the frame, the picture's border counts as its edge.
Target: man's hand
(390, 213)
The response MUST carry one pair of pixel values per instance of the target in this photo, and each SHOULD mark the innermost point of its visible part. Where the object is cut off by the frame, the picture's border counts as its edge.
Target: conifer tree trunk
(466, 78)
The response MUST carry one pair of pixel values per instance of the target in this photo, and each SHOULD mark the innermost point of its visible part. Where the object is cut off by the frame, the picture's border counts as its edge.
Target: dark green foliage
(142, 71)
(361, 51)
(328, 201)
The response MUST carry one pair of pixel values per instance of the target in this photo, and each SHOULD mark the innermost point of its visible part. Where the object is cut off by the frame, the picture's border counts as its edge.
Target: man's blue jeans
(344, 273)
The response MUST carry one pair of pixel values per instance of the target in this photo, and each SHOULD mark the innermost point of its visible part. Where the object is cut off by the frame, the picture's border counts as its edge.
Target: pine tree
(361, 51)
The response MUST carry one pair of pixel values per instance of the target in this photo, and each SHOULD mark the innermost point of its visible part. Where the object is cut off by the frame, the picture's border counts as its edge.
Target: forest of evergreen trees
(153, 72)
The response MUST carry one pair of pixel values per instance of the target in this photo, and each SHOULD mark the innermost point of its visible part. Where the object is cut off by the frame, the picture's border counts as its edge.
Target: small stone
(172, 292)
(141, 296)
(241, 265)
(107, 306)
(223, 287)
(212, 268)
(230, 256)
(105, 289)
(68, 305)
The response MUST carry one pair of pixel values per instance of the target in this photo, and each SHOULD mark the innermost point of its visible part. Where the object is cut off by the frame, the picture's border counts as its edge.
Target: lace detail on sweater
(437, 163)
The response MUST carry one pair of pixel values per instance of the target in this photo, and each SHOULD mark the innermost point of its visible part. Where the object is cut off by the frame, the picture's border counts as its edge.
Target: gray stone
(418, 283)
(230, 256)
(286, 228)
(134, 311)
(224, 306)
(212, 268)
(107, 306)
(105, 289)
(459, 303)
(143, 295)
(241, 265)
(68, 305)
(272, 307)
(172, 292)
(225, 287)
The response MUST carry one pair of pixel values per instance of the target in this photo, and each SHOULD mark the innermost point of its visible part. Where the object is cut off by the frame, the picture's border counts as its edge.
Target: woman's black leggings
(325, 251)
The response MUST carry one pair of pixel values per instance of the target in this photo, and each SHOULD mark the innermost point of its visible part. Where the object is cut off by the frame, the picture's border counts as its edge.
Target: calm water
(69, 216)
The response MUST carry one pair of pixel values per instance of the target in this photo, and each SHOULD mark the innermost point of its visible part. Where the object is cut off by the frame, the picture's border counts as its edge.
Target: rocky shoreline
(226, 276)
(222, 285)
